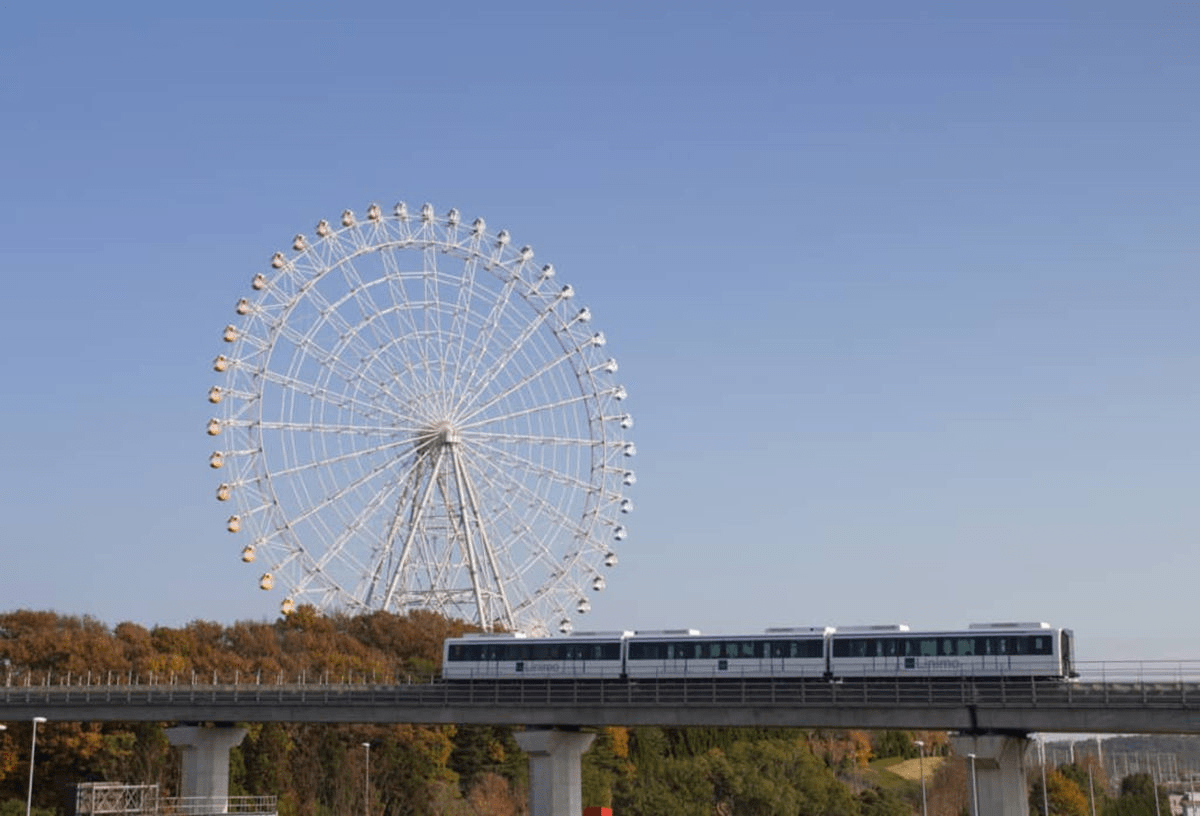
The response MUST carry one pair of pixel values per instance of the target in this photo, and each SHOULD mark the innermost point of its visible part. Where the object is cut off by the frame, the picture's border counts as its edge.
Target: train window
(888, 647)
(923, 647)
(1040, 645)
(850, 647)
(645, 651)
(965, 646)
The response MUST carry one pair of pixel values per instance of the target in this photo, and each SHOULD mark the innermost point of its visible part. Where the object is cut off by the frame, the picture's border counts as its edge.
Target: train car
(588, 655)
(791, 652)
(981, 650)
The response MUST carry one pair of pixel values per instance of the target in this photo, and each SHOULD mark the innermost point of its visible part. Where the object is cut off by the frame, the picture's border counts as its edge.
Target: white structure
(998, 773)
(415, 415)
(555, 776)
(204, 754)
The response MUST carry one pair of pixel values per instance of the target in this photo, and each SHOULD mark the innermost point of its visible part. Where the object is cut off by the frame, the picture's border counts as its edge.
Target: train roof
(490, 636)
(615, 633)
(666, 632)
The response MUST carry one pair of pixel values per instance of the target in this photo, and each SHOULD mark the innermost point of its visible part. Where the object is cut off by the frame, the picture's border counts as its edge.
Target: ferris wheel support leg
(204, 756)
(996, 785)
(555, 778)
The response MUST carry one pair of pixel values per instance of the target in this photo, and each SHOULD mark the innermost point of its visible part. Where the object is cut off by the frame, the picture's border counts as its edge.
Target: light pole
(32, 753)
(1045, 792)
(921, 746)
(367, 782)
(974, 788)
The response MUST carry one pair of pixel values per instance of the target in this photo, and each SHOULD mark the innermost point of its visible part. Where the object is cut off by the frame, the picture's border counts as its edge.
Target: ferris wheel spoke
(292, 385)
(402, 306)
(356, 526)
(325, 360)
(483, 375)
(329, 461)
(316, 509)
(476, 365)
(531, 439)
(462, 313)
(349, 336)
(531, 468)
(545, 508)
(547, 408)
(332, 428)
(528, 381)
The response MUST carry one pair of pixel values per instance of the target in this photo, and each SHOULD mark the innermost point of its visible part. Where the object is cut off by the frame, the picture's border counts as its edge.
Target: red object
(595, 811)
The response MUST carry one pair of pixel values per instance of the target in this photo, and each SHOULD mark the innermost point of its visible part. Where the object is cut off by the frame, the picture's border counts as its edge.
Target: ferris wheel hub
(440, 435)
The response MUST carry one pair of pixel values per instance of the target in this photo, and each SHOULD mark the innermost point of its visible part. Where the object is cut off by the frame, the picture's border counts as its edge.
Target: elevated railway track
(1002, 705)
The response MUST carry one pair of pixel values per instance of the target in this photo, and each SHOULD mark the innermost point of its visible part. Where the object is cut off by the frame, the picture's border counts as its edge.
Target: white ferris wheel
(415, 415)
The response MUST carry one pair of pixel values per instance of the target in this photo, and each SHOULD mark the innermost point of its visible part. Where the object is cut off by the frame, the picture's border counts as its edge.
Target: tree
(879, 802)
(1138, 792)
(1066, 797)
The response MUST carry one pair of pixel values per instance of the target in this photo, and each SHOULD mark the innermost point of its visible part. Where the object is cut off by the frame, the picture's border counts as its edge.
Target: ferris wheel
(415, 415)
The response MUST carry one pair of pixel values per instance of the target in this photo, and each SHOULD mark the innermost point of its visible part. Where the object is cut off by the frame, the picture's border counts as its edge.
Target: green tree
(894, 744)
(879, 802)
(680, 787)
(1138, 792)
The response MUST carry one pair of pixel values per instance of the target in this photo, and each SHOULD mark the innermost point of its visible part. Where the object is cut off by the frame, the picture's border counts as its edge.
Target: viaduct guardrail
(1139, 701)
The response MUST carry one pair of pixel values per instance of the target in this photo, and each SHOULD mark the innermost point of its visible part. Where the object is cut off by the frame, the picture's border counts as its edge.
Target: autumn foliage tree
(319, 769)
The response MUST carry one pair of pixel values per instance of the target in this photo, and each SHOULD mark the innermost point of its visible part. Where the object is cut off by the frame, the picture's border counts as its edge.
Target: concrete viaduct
(991, 718)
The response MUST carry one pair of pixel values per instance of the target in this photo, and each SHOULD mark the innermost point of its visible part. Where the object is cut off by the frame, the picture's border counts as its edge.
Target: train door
(777, 654)
(1067, 647)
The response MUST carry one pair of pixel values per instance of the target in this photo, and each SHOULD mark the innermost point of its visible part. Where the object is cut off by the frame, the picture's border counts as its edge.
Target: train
(982, 650)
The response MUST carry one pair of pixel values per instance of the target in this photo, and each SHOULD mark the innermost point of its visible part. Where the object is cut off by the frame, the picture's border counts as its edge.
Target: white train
(819, 652)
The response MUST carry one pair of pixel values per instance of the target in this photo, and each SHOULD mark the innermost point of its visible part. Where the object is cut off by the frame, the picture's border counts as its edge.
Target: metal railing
(207, 805)
(997, 692)
(1097, 671)
(119, 799)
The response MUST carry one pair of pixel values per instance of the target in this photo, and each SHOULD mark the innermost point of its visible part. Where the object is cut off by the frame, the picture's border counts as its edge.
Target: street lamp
(367, 782)
(1045, 792)
(974, 788)
(32, 753)
(921, 745)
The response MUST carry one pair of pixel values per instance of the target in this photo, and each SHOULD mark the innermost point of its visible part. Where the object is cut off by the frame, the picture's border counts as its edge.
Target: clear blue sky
(905, 295)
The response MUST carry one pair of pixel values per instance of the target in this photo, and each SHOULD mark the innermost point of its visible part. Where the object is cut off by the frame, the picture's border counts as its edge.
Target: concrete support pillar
(999, 774)
(204, 754)
(555, 779)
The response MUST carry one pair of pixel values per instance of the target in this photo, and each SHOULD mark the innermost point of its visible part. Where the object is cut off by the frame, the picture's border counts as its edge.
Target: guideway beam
(555, 779)
(997, 784)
